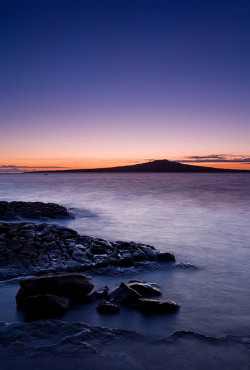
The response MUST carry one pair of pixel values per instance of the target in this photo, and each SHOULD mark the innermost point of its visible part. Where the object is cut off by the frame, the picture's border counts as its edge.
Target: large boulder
(45, 307)
(124, 295)
(74, 286)
(145, 289)
(153, 306)
(107, 307)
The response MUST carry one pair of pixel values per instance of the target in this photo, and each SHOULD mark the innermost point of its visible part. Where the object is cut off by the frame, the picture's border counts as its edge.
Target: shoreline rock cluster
(28, 248)
(18, 210)
(49, 297)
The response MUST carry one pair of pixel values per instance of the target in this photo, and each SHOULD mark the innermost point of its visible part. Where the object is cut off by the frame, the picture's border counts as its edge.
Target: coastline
(108, 348)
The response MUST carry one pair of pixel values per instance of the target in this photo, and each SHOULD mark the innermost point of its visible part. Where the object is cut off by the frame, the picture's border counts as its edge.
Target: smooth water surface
(203, 219)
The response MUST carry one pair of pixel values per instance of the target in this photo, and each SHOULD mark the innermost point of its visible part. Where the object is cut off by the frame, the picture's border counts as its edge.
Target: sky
(102, 83)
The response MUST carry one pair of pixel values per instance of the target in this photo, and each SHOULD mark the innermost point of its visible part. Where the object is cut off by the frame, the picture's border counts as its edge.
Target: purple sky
(89, 83)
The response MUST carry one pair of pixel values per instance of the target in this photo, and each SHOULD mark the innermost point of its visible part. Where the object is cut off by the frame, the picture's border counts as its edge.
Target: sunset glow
(94, 85)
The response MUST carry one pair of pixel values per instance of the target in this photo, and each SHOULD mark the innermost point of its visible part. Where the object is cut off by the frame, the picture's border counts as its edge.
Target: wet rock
(45, 307)
(165, 256)
(36, 210)
(102, 243)
(124, 295)
(120, 245)
(139, 256)
(74, 286)
(80, 256)
(107, 307)
(125, 260)
(51, 247)
(150, 252)
(153, 306)
(101, 293)
(101, 262)
(145, 289)
(98, 249)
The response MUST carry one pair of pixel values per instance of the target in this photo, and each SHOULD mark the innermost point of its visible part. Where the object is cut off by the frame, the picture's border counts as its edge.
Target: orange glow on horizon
(226, 165)
(91, 163)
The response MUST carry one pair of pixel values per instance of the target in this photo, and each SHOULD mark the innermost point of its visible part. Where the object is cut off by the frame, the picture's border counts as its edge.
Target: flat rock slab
(28, 248)
(32, 210)
(60, 345)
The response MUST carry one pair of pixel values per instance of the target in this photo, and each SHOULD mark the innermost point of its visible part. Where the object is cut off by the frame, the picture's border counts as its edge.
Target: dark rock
(35, 210)
(149, 251)
(101, 293)
(153, 306)
(27, 248)
(124, 295)
(125, 260)
(74, 286)
(139, 256)
(165, 256)
(102, 243)
(145, 289)
(101, 262)
(98, 249)
(107, 307)
(122, 245)
(45, 307)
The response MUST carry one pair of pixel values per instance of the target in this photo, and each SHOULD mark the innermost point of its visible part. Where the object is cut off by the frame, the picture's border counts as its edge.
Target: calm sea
(204, 219)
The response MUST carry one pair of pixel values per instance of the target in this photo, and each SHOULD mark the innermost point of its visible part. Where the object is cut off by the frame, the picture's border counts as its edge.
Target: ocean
(204, 219)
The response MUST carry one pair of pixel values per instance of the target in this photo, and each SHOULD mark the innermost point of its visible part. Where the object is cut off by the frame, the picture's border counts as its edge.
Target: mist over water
(203, 219)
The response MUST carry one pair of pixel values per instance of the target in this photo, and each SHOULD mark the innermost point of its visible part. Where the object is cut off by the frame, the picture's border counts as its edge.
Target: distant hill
(155, 166)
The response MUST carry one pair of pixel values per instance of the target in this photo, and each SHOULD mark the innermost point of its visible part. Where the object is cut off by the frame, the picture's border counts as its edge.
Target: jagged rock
(101, 293)
(36, 210)
(73, 286)
(45, 307)
(107, 307)
(153, 306)
(145, 289)
(124, 295)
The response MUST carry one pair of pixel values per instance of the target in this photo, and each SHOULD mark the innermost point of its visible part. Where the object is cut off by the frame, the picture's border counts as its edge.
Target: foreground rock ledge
(30, 249)
(59, 345)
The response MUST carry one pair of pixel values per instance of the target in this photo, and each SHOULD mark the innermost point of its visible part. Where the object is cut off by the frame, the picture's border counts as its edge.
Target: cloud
(19, 169)
(10, 169)
(218, 158)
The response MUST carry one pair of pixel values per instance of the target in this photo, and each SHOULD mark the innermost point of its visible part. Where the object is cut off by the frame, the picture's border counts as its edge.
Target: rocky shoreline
(18, 210)
(28, 248)
(37, 249)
